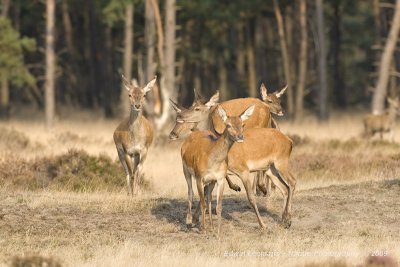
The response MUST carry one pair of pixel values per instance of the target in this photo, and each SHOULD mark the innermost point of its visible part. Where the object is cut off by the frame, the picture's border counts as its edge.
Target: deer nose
(173, 136)
(240, 138)
(281, 112)
(137, 106)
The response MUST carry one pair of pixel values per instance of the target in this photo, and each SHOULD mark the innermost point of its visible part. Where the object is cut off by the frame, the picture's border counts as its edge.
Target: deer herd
(233, 138)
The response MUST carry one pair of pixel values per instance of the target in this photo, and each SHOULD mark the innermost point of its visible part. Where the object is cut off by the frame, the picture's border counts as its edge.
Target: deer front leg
(188, 178)
(130, 175)
(122, 159)
(139, 160)
(200, 189)
(208, 191)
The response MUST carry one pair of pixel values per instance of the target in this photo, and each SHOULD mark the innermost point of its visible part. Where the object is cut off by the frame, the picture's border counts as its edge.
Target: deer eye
(269, 101)
(197, 109)
(130, 95)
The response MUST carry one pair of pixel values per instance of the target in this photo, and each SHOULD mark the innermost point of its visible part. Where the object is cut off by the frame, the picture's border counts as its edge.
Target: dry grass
(63, 199)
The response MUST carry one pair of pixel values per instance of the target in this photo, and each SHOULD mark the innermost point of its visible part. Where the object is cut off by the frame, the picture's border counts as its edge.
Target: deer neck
(221, 148)
(392, 113)
(207, 124)
(135, 119)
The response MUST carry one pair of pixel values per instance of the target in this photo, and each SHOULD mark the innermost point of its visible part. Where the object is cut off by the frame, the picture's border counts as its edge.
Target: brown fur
(262, 149)
(204, 158)
(133, 136)
(260, 118)
(382, 123)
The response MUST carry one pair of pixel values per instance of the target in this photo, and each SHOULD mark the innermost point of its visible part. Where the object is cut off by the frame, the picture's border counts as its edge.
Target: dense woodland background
(71, 53)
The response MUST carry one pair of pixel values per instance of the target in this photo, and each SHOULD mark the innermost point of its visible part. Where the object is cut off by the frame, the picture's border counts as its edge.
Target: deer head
(234, 125)
(273, 100)
(188, 118)
(137, 93)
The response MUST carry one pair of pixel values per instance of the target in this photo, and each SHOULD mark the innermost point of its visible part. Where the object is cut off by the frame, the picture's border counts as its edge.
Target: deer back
(260, 118)
(261, 146)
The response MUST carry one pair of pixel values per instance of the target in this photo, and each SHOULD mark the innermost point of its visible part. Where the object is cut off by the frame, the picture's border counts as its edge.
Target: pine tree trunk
(378, 100)
(323, 93)
(50, 63)
(338, 85)
(150, 43)
(5, 6)
(71, 66)
(67, 27)
(223, 79)
(285, 58)
(302, 61)
(240, 56)
(128, 48)
(4, 98)
(170, 29)
(251, 65)
(107, 75)
(4, 87)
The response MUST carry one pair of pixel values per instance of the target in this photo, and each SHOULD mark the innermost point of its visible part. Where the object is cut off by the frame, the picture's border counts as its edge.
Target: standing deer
(263, 149)
(380, 123)
(134, 135)
(261, 118)
(204, 158)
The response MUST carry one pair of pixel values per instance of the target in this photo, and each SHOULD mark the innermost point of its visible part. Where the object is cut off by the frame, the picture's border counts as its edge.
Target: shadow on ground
(174, 210)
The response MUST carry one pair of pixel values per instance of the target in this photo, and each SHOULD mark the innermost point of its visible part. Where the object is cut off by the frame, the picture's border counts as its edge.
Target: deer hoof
(286, 222)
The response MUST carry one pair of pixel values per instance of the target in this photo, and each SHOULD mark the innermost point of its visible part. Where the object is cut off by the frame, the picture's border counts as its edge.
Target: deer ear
(263, 91)
(150, 85)
(197, 96)
(222, 113)
(213, 100)
(126, 83)
(178, 108)
(247, 113)
(281, 92)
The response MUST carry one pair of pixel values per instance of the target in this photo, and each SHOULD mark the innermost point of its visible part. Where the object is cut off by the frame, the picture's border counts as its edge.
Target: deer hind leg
(220, 191)
(200, 189)
(288, 179)
(248, 185)
(232, 185)
(274, 176)
(262, 183)
(188, 178)
(269, 186)
(208, 196)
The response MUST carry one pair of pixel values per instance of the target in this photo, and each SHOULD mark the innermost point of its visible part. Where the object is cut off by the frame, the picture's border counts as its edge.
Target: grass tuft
(75, 171)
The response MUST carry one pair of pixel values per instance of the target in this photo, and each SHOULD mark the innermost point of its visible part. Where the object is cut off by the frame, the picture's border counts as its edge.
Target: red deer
(134, 135)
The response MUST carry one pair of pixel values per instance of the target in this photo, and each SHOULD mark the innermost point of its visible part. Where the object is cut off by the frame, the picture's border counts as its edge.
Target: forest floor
(345, 208)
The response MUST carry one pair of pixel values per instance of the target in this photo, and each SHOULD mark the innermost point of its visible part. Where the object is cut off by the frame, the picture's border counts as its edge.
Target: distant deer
(261, 118)
(204, 158)
(381, 123)
(262, 149)
(134, 135)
